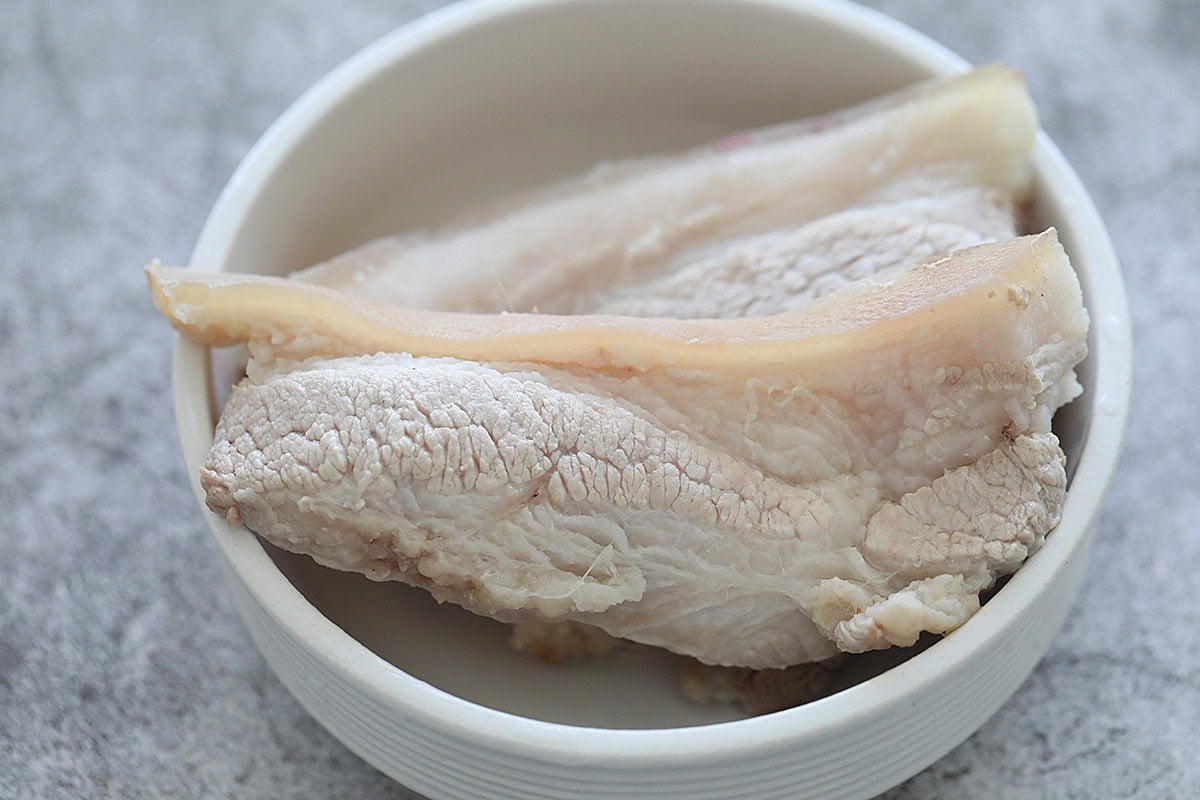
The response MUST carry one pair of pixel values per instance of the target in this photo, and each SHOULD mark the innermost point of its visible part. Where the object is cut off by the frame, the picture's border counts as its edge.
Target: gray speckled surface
(123, 670)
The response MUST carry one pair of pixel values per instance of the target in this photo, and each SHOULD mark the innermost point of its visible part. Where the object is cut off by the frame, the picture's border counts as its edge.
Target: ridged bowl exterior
(890, 740)
(271, 216)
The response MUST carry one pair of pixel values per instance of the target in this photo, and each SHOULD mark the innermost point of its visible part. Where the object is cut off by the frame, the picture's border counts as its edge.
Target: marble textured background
(123, 670)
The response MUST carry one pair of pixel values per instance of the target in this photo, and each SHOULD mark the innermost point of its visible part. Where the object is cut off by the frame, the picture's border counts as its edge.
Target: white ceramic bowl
(483, 98)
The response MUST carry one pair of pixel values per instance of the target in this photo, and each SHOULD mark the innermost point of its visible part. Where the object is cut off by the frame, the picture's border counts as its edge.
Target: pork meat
(751, 225)
(756, 492)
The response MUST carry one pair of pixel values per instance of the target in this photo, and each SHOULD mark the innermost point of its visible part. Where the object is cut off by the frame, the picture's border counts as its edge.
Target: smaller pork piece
(755, 224)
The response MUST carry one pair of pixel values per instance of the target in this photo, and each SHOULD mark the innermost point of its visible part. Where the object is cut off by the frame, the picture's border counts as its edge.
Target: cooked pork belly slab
(929, 169)
(756, 492)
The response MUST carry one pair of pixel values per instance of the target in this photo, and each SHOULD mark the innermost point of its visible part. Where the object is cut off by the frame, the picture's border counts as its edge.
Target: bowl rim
(462, 719)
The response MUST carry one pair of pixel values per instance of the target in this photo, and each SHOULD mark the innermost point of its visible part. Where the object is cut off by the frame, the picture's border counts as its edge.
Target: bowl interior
(514, 102)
